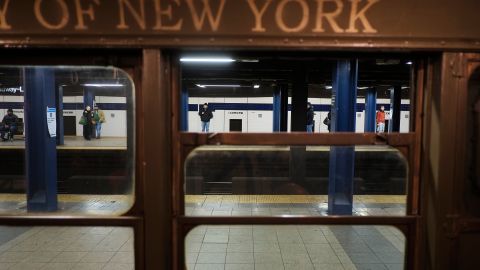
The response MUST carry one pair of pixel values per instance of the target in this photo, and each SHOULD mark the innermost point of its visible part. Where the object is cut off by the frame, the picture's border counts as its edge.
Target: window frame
(409, 144)
(130, 62)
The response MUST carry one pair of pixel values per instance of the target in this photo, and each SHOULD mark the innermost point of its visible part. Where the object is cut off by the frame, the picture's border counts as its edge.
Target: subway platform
(232, 247)
(74, 142)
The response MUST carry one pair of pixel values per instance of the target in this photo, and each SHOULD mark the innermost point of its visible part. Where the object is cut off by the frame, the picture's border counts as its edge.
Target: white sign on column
(52, 121)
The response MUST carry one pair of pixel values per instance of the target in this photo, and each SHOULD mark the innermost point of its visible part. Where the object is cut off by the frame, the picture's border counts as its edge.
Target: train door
(451, 163)
(275, 208)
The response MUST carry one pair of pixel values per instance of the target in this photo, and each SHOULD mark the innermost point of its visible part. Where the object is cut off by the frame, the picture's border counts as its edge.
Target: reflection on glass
(288, 247)
(283, 180)
(68, 135)
(67, 248)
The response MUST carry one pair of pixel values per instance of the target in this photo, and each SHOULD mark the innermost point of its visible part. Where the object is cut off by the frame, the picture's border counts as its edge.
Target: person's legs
(203, 126)
(13, 129)
(98, 128)
(87, 132)
(381, 127)
(207, 126)
(310, 128)
(2, 132)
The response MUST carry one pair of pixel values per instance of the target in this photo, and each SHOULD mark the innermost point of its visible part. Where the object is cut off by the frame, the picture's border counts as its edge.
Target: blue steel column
(184, 110)
(40, 152)
(344, 99)
(395, 101)
(88, 97)
(277, 102)
(59, 105)
(284, 107)
(370, 110)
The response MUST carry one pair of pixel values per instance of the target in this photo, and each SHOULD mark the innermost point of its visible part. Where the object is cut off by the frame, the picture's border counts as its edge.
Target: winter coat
(310, 116)
(205, 114)
(88, 117)
(10, 120)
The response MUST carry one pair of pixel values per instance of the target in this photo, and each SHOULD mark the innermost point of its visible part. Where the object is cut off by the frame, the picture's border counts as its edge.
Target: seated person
(9, 125)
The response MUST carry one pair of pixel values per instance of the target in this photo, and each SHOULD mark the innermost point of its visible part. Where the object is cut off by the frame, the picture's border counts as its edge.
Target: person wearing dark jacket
(205, 115)
(309, 117)
(328, 121)
(9, 125)
(87, 123)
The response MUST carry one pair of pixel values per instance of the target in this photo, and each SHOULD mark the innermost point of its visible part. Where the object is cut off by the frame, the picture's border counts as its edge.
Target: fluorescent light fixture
(405, 87)
(328, 87)
(207, 60)
(362, 87)
(409, 63)
(249, 60)
(218, 85)
(103, 84)
(256, 86)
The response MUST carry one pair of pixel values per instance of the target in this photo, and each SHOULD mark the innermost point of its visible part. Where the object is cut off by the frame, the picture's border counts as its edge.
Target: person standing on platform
(381, 120)
(205, 115)
(310, 114)
(87, 122)
(328, 121)
(99, 118)
(9, 125)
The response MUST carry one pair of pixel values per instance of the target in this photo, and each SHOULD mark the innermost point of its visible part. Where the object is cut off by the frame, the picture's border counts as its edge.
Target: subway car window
(269, 92)
(295, 180)
(295, 247)
(67, 140)
(66, 247)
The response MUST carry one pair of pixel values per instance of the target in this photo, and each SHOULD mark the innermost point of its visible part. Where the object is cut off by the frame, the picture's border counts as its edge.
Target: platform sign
(52, 121)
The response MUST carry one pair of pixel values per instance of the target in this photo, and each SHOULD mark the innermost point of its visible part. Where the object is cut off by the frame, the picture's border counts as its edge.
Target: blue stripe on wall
(195, 107)
(269, 107)
(69, 106)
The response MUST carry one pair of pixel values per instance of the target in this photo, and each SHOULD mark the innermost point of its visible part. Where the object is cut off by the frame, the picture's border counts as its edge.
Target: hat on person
(10, 110)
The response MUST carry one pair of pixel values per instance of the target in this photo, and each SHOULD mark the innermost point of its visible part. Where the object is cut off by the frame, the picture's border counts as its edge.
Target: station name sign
(169, 16)
(242, 18)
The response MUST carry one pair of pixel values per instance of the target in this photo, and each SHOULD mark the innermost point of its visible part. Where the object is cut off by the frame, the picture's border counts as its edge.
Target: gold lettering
(360, 15)
(207, 12)
(258, 14)
(81, 12)
(279, 16)
(330, 16)
(3, 16)
(138, 16)
(63, 22)
(167, 12)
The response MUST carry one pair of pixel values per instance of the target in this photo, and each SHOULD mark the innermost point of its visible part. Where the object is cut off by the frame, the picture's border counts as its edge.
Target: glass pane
(269, 92)
(66, 248)
(295, 247)
(61, 157)
(295, 180)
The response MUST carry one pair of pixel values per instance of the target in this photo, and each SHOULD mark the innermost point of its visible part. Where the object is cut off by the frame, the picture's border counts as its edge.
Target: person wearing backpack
(87, 122)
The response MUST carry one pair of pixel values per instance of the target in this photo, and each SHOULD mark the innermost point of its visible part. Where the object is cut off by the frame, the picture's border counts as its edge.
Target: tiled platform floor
(71, 204)
(260, 247)
(65, 248)
(75, 142)
(292, 247)
(268, 205)
(215, 247)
